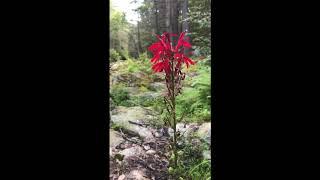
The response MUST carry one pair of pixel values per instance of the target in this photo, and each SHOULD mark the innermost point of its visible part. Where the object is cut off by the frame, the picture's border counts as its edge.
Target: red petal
(188, 61)
(177, 56)
(156, 57)
(161, 39)
(155, 47)
(157, 67)
(186, 44)
(180, 41)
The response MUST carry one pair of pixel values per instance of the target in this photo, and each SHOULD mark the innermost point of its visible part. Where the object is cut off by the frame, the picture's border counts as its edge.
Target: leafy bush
(132, 66)
(141, 101)
(114, 55)
(144, 63)
(124, 54)
(143, 56)
(119, 95)
(191, 164)
(195, 101)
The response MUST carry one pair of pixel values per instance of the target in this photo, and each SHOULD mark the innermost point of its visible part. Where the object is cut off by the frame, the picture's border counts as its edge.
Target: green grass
(191, 164)
(119, 95)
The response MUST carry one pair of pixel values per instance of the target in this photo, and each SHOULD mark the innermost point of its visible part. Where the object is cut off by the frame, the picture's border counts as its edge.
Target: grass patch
(119, 95)
(191, 164)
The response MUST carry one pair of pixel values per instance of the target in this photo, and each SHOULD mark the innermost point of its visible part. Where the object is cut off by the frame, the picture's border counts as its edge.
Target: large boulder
(131, 79)
(204, 132)
(115, 139)
(132, 151)
(124, 116)
(184, 129)
(157, 86)
(138, 175)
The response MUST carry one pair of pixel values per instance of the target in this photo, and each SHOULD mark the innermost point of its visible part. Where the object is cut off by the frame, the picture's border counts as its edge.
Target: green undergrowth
(194, 102)
(191, 164)
(121, 97)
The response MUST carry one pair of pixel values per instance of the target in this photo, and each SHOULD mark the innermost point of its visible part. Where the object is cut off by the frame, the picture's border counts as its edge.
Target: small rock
(115, 138)
(133, 151)
(122, 177)
(151, 151)
(146, 147)
(158, 134)
(138, 175)
(206, 154)
(204, 132)
(110, 152)
(179, 143)
(121, 146)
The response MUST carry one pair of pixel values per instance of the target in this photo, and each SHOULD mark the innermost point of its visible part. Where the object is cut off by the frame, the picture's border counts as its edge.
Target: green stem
(173, 100)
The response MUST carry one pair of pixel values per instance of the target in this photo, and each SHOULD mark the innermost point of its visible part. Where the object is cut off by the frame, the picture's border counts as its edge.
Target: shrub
(191, 164)
(141, 101)
(124, 54)
(114, 55)
(132, 66)
(144, 63)
(195, 101)
(119, 95)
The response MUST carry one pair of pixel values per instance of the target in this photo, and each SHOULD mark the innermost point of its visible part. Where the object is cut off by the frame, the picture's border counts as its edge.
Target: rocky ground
(138, 149)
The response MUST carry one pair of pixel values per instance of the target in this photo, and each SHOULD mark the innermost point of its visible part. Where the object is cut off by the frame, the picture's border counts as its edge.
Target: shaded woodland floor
(139, 145)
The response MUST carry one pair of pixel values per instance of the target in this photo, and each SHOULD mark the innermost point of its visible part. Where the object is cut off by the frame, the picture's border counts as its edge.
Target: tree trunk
(185, 25)
(163, 16)
(139, 40)
(136, 49)
(156, 16)
(174, 16)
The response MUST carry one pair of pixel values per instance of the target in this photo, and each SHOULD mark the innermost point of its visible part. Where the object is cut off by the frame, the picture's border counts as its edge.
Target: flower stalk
(169, 59)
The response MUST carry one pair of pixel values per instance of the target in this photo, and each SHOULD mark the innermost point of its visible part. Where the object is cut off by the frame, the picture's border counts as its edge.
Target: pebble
(157, 134)
(151, 151)
(138, 174)
(146, 147)
(206, 154)
(122, 177)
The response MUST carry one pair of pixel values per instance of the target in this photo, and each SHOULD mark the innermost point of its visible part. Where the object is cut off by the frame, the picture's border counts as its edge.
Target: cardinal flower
(165, 53)
(169, 58)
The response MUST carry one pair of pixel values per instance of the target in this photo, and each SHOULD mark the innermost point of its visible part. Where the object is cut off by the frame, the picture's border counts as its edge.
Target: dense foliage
(200, 25)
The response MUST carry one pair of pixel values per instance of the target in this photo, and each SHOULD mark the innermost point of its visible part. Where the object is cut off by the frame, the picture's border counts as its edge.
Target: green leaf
(119, 157)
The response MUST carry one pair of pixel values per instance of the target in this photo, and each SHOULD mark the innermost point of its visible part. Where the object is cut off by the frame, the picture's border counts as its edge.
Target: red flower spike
(156, 57)
(186, 44)
(155, 47)
(188, 61)
(163, 51)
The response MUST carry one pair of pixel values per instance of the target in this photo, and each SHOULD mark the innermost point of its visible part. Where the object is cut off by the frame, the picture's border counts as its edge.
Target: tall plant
(169, 59)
